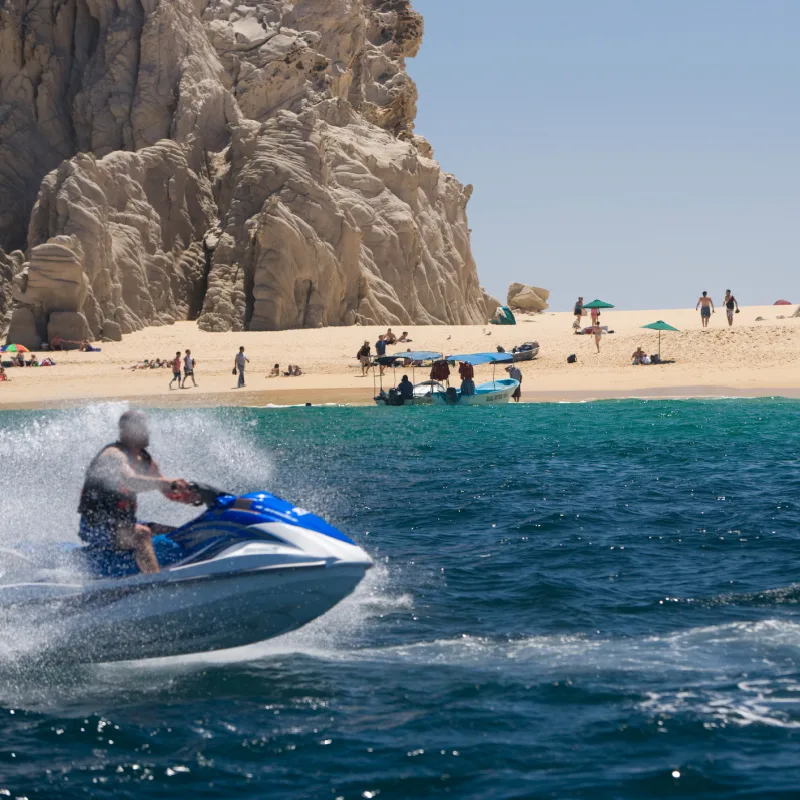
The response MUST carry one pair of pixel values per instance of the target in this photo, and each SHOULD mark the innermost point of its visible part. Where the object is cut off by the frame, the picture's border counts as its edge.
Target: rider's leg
(139, 538)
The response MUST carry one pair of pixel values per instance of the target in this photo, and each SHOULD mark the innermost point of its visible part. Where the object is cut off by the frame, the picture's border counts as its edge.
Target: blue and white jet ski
(248, 569)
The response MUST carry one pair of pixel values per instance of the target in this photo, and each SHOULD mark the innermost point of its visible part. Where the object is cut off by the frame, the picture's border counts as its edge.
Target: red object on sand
(782, 303)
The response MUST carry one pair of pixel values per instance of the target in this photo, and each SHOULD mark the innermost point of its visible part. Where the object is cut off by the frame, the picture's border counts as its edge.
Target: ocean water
(574, 601)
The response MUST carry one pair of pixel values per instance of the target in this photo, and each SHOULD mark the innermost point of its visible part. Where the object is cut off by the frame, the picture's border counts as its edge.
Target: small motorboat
(491, 392)
(526, 351)
(423, 392)
(247, 569)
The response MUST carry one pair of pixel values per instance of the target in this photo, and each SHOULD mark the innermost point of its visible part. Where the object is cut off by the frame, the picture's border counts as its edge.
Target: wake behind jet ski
(247, 569)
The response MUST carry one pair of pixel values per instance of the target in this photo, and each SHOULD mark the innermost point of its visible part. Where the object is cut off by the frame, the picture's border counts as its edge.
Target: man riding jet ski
(247, 568)
(108, 500)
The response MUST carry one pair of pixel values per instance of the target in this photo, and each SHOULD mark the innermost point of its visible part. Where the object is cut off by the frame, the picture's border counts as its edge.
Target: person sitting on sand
(389, 336)
(706, 306)
(404, 338)
(20, 359)
(364, 356)
(637, 356)
(33, 362)
(3, 376)
(294, 371)
(276, 372)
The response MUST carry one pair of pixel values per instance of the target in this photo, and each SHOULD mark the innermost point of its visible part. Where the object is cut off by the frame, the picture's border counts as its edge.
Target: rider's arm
(132, 480)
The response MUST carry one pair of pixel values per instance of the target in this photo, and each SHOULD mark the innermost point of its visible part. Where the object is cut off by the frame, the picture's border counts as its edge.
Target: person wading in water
(108, 500)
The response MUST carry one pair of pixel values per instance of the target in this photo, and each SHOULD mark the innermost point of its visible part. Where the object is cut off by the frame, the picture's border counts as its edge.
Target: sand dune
(753, 358)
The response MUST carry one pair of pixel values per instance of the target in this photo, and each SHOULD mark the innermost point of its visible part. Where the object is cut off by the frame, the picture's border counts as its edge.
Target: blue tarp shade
(422, 355)
(483, 358)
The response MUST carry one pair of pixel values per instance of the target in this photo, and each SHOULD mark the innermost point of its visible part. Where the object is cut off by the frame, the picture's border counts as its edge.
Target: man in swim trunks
(188, 369)
(731, 305)
(108, 500)
(706, 306)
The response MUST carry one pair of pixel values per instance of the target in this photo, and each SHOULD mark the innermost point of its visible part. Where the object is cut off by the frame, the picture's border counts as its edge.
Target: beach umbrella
(14, 348)
(598, 304)
(659, 326)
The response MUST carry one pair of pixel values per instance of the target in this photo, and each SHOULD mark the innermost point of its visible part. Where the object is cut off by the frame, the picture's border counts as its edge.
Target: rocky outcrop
(252, 165)
(527, 298)
(10, 268)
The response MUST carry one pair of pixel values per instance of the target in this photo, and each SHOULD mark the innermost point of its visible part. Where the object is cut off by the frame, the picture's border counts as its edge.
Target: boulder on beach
(522, 297)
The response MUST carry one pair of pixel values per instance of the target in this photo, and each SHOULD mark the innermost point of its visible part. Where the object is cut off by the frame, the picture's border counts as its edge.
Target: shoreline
(758, 357)
(354, 398)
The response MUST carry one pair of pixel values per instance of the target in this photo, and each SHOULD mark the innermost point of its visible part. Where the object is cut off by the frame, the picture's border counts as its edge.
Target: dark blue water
(588, 601)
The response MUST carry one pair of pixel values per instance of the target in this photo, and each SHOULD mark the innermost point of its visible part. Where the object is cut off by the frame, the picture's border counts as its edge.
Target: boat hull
(489, 393)
(173, 618)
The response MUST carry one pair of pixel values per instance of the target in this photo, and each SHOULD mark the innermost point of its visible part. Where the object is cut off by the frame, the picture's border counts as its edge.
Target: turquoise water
(588, 601)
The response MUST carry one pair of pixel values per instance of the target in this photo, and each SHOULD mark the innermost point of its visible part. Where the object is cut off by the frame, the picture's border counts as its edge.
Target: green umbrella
(597, 304)
(660, 326)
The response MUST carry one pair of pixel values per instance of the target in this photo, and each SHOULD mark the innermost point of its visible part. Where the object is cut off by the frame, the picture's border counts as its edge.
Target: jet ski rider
(108, 500)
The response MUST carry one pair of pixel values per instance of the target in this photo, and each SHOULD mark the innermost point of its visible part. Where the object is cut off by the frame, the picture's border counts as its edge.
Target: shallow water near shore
(588, 600)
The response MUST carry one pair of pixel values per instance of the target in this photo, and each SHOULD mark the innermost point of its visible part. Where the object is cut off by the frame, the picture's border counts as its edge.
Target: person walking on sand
(188, 369)
(176, 370)
(597, 332)
(241, 360)
(706, 306)
(731, 305)
(380, 349)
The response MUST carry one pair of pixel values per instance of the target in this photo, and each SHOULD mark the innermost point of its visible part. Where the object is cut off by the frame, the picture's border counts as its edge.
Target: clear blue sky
(636, 150)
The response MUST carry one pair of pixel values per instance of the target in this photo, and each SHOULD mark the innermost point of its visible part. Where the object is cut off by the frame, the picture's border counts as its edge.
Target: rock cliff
(252, 165)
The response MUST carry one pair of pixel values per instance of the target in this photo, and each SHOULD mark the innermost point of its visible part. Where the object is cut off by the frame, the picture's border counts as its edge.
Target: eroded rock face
(527, 298)
(253, 165)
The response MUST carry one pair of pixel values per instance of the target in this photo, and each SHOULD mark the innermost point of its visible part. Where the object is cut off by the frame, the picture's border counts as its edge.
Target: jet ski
(247, 569)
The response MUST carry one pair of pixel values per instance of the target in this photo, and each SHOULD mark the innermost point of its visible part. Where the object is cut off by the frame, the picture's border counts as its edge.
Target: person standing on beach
(597, 332)
(241, 360)
(176, 370)
(188, 369)
(364, 356)
(706, 306)
(515, 373)
(731, 304)
(578, 312)
(380, 349)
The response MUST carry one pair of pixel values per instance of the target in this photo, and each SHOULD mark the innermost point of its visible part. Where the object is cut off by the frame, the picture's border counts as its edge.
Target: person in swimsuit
(118, 473)
(597, 332)
(731, 306)
(706, 306)
(515, 373)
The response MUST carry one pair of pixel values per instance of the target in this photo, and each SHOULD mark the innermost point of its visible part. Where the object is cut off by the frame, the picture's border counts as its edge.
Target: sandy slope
(753, 358)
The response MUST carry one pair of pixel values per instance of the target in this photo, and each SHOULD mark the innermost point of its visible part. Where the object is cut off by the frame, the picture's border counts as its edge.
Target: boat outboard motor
(451, 396)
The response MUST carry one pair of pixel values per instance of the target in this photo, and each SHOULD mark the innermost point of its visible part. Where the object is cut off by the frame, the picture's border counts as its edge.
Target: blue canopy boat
(423, 392)
(493, 391)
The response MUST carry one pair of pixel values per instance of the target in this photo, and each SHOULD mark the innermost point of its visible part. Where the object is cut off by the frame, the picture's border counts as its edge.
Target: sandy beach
(754, 358)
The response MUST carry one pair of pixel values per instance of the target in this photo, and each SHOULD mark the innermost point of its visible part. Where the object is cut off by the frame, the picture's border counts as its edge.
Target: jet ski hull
(173, 618)
(247, 570)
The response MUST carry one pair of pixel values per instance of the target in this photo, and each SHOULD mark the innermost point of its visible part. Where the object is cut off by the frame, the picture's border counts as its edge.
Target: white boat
(248, 569)
(491, 392)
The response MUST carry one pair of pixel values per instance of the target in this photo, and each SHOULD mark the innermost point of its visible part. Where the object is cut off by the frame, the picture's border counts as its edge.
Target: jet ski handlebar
(200, 494)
